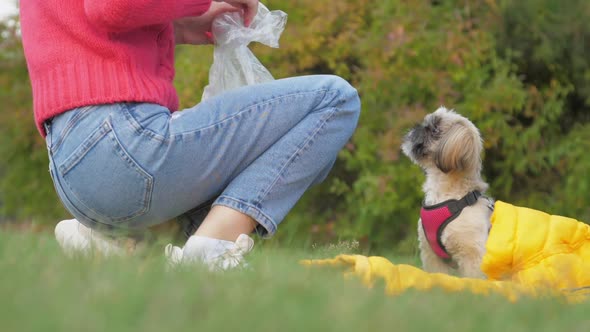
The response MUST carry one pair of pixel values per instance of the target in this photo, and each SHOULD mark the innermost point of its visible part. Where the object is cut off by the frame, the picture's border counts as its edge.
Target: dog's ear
(459, 150)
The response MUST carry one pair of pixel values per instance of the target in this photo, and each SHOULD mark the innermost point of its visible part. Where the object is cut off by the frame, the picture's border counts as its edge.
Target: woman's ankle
(225, 223)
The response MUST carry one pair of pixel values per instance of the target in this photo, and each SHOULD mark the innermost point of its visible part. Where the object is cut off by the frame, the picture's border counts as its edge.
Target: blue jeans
(255, 149)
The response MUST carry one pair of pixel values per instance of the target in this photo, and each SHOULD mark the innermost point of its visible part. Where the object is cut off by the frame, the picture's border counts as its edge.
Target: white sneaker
(215, 254)
(75, 238)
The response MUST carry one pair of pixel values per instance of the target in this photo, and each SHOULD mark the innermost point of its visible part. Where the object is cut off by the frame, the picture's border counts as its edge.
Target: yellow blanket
(529, 253)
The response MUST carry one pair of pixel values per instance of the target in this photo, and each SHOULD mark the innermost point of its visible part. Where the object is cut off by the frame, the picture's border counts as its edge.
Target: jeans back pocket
(105, 179)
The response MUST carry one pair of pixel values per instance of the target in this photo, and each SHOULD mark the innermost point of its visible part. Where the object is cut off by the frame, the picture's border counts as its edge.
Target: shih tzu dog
(455, 216)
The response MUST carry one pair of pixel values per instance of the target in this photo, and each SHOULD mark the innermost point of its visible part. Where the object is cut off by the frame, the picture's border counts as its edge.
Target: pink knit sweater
(87, 52)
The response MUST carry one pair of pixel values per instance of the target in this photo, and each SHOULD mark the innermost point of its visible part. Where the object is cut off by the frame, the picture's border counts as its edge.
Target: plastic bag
(234, 65)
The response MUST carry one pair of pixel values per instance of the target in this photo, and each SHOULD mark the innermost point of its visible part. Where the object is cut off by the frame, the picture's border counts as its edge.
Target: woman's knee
(348, 101)
(333, 82)
(348, 95)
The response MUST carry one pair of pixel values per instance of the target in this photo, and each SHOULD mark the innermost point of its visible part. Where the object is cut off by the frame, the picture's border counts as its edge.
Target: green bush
(26, 191)
(544, 164)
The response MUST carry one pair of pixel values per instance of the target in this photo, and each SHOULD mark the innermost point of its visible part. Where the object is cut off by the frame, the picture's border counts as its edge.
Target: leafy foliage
(26, 191)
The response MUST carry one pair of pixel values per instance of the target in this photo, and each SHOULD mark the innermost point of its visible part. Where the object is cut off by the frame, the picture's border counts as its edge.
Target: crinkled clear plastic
(234, 65)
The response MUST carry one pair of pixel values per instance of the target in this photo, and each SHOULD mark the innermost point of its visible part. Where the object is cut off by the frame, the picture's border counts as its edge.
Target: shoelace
(229, 258)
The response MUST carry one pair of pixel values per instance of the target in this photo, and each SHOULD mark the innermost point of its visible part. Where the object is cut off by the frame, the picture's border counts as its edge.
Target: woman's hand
(196, 30)
(249, 8)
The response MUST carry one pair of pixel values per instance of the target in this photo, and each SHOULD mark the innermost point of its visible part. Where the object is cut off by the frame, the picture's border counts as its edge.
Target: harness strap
(436, 217)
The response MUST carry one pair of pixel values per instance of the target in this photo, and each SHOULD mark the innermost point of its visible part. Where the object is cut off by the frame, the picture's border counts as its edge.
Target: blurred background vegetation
(518, 69)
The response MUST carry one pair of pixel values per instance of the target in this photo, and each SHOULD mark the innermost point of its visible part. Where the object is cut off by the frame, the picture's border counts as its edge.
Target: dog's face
(446, 141)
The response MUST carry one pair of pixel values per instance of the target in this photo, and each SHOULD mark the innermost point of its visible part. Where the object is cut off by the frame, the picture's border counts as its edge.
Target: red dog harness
(436, 217)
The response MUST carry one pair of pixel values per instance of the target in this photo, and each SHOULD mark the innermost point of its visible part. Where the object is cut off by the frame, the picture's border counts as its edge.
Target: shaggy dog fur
(448, 147)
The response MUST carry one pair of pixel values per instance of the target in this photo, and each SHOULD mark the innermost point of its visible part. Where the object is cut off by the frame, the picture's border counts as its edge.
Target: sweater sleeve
(122, 15)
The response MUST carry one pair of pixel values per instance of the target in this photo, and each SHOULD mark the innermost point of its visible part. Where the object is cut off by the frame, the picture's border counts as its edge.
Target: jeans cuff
(266, 226)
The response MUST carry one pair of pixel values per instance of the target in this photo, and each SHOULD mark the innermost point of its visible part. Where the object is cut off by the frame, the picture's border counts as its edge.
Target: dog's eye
(433, 130)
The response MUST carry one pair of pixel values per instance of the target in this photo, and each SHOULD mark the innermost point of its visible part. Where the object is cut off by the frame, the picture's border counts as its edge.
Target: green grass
(41, 290)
